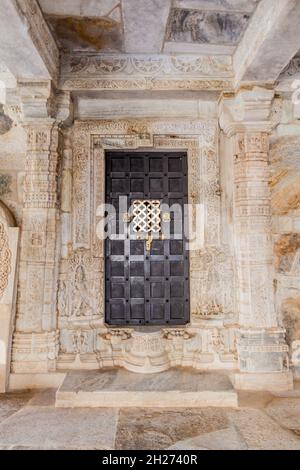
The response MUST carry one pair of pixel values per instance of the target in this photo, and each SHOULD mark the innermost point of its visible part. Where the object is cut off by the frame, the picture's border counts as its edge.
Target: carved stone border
(92, 139)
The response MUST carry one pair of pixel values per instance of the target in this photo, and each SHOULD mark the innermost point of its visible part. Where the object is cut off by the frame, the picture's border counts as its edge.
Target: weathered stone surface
(160, 429)
(291, 318)
(5, 122)
(261, 432)
(88, 34)
(285, 249)
(119, 388)
(12, 402)
(286, 412)
(43, 398)
(225, 439)
(206, 27)
(48, 428)
(144, 24)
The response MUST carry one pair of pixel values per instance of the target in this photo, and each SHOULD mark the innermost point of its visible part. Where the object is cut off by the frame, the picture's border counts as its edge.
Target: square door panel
(117, 290)
(117, 268)
(176, 247)
(120, 185)
(137, 289)
(155, 165)
(118, 164)
(137, 164)
(157, 247)
(117, 247)
(156, 185)
(137, 247)
(137, 268)
(175, 185)
(157, 311)
(157, 290)
(177, 289)
(176, 309)
(157, 268)
(117, 310)
(176, 268)
(137, 185)
(137, 311)
(175, 164)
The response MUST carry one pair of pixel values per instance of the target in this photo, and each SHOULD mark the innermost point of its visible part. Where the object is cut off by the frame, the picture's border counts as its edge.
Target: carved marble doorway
(147, 269)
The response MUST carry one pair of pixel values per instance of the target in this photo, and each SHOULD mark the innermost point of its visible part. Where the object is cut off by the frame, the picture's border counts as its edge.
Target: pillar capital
(41, 103)
(246, 111)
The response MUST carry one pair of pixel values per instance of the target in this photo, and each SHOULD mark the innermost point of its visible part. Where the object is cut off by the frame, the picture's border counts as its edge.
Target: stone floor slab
(225, 439)
(286, 412)
(50, 428)
(260, 432)
(11, 403)
(159, 429)
(120, 388)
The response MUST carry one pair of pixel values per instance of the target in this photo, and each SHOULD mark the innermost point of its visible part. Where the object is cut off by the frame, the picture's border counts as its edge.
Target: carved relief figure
(81, 298)
(80, 292)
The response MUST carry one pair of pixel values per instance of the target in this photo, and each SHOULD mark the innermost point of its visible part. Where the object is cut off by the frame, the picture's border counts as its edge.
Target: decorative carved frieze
(147, 72)
(151, 84)
(149, 65)
(35, 352)
(153, 352)
(263, 351)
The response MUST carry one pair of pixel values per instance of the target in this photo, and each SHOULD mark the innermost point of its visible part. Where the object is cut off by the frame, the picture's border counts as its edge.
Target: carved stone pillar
(262, 350)
(35, 344)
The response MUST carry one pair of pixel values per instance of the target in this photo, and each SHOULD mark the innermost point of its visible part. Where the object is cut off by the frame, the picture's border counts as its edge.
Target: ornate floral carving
(5, 259)
(80, 66)
(71, 84)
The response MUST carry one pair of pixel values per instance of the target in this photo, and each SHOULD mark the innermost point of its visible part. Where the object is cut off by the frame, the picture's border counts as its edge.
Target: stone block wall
(285, 187)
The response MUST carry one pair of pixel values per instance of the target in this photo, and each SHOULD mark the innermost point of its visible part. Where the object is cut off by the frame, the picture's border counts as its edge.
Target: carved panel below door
(147, 273)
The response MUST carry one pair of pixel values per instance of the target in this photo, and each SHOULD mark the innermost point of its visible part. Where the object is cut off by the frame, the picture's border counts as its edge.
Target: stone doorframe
(85, 341)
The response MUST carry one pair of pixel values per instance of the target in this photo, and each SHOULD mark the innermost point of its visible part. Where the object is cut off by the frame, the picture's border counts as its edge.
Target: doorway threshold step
(175, 388)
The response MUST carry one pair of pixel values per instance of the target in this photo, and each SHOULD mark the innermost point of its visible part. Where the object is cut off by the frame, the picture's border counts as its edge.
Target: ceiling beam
(270, 41)
(27, 46)
(145, 24)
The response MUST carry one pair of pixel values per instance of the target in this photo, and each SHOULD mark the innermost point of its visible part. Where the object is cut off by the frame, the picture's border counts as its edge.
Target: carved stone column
(35, 344)
(245, 119)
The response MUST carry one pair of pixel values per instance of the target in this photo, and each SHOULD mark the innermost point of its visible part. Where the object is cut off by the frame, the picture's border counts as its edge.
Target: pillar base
(267, 381)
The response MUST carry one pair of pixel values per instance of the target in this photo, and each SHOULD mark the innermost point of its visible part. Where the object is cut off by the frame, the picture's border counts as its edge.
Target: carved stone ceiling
(149, 26)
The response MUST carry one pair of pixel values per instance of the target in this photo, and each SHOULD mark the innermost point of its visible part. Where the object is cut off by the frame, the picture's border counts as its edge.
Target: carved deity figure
(81, 298)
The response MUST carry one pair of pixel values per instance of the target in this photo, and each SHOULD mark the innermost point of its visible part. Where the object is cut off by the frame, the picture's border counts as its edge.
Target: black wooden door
(147, 281)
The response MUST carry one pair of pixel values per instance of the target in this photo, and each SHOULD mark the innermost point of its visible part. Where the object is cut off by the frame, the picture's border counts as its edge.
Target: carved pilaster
(36, 308)
(245, 119)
